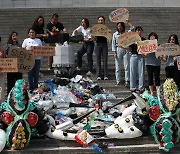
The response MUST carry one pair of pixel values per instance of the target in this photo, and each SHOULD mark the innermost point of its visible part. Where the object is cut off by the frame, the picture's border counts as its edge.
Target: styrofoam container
(64, 55)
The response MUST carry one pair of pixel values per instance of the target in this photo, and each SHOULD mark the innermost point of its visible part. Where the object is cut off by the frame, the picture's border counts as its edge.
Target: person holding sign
(137, 65)
(153, 66)
(121, 53)
(101, 50)
(12, 76)
(171, 62)
(87, 46)
(33, 75)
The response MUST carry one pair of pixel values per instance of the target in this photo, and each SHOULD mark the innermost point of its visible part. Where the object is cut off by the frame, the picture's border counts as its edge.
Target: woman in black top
(38, 26)
(12, 76)
(101, 50)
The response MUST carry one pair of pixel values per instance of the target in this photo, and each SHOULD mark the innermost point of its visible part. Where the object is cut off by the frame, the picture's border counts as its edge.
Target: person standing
(87, 46)
(121, 53)
(33, 75)
(101, 51)
(12, 76)
(54, 27)
(171, 62)
(137, 65)
(153, 67)
(38, 26)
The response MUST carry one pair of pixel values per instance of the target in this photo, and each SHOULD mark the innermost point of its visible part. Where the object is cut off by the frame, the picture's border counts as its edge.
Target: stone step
(149, 18)
(51, 146)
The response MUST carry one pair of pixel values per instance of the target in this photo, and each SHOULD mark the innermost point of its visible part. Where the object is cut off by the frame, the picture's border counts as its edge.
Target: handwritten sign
(24, 57)
(119, 15)
(101, 30)
(168, 49)
(43, 51)
(8, 65)
(128, 38)
(178, 62)
(147, 46)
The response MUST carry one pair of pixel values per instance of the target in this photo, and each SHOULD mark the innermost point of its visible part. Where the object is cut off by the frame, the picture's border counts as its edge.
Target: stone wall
(87, 3)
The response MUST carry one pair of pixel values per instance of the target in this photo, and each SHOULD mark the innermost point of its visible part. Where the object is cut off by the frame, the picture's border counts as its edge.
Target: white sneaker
(98, 78)
(77, 69)
(117, 83)
(105, 78)
(89, 73)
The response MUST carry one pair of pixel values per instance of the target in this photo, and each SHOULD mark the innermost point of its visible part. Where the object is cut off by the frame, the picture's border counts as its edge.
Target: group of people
(134, 63)
(101, 49)
(37, 37)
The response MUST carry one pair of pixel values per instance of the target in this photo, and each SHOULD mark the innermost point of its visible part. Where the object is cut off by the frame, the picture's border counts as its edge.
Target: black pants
(153, 70)
(170, 72)
(60, 38)
(88, 48)
(11, 79)
(101, 51)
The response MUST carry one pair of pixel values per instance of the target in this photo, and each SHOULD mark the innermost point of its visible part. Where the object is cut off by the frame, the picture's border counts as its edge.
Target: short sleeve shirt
(28, 43)
(86, 32)
(134, 47)
(55, 28)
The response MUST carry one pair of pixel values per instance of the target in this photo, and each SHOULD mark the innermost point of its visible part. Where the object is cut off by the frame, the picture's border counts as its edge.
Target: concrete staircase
(164, 21)
(50, 146)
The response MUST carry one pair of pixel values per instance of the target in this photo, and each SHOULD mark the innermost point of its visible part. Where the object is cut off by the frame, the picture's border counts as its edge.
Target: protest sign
(24, 57)
(147, 46)
(128, 38)
(119, 15)
(101, 30)
(43, 51)
(168, 49)
(8, 65)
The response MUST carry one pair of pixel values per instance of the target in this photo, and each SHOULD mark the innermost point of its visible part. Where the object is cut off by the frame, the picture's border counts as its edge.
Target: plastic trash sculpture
(165, 113)
(19, 118)
(132, 122)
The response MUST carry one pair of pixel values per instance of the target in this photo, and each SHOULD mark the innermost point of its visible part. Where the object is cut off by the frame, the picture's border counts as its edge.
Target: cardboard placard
(147, 46)
(24, 57)
(119, 15)
(178, 62)
(101, 30)
(168, 49)
(43, 51)
(8, 65)
(128, 38)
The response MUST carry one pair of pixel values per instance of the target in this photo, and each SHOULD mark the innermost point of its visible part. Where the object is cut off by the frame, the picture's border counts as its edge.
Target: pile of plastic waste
(80, 110)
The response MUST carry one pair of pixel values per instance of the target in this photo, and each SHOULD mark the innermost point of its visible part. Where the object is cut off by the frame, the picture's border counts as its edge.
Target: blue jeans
(137, 65)
(33, 75)
(88, 48)
(122, 55)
